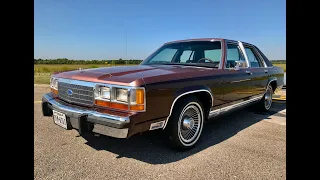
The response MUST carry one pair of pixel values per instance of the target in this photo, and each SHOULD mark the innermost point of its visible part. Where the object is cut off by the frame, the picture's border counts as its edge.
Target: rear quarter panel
(277, 73)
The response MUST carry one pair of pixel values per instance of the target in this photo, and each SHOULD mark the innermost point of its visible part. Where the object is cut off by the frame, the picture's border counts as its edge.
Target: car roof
(203, 39)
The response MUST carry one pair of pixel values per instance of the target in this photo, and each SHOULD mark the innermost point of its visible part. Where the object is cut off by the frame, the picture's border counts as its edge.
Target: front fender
(188, 90)
(192, 89)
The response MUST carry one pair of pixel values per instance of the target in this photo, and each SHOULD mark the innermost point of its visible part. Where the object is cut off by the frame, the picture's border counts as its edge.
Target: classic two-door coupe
(177, 88)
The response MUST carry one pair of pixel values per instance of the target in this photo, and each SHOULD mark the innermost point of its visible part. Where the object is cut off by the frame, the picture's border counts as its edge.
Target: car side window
(186, 56)
(252, 58)
(233, 54)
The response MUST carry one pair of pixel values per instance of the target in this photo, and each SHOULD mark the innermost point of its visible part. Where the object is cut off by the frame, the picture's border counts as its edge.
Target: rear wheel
(186, 123)
(266, 102)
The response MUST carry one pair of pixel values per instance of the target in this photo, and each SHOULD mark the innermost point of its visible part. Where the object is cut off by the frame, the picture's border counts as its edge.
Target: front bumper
(86, 120)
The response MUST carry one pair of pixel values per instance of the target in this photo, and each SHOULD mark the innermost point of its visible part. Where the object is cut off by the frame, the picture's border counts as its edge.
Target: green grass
(42, 78)
(42, 72)
(283, 66)
(50, 68)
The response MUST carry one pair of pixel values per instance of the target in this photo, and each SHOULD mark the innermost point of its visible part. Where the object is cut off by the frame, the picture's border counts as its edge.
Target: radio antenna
(126, 42)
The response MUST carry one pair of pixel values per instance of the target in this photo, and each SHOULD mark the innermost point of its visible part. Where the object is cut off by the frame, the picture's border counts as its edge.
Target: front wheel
(186, 123)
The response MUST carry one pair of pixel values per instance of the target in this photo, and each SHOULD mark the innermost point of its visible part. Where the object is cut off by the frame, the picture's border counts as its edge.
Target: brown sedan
(177, 88)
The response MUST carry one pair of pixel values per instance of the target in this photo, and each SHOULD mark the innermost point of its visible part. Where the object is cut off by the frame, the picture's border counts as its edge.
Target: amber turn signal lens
(54, 91)
(111, 104)
(137, 107)
(140, 96)
(102, 103)
(119, 106)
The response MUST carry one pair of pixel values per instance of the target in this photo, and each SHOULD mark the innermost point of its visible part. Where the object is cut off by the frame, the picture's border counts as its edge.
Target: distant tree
(68, 61)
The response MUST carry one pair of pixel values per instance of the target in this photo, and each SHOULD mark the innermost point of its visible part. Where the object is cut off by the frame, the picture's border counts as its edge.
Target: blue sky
(96, 29)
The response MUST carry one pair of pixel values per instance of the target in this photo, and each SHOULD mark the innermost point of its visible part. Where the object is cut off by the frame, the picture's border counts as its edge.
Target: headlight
(118, 97)
(122, 95)
(54, 85)
(104, 92)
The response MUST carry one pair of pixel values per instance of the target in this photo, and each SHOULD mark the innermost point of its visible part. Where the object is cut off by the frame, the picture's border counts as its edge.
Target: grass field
(283, 66)
(42, 72)
(42, 78)
(50, 68)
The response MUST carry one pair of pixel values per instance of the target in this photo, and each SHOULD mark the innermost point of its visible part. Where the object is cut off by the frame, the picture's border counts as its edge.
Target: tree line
(278, 61)
(68, 61)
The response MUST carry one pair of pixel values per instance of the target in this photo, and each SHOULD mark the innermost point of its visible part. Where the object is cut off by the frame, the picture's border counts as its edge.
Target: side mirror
(240, 64)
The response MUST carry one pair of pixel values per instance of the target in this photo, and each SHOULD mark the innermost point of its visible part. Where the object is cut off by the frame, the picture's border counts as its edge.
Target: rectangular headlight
(122, 95)
(54, 83)
(104, 92)
(132, 99)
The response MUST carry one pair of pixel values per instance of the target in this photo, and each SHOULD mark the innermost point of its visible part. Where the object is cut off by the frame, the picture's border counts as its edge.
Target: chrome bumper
(106, 124)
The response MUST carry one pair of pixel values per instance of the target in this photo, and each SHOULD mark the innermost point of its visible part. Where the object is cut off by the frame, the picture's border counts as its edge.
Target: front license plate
(60, 119)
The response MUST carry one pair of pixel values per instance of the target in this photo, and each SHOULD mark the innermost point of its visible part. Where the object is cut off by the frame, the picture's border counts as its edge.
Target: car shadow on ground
(151, 147)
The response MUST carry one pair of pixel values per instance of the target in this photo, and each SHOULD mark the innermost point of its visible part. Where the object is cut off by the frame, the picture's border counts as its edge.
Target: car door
(259, 76)
(237, 80)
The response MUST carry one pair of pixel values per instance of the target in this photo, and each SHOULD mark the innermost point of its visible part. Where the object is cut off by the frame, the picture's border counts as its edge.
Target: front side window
(234, 54)
(197, 53)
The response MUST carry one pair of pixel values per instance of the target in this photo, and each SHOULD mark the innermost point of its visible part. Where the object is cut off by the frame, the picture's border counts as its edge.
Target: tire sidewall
(174, 121)
(261, 105)
(269, 88)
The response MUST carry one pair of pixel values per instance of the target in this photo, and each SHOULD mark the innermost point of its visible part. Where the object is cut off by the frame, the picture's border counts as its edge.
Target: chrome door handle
(248, 72)
(265, 71)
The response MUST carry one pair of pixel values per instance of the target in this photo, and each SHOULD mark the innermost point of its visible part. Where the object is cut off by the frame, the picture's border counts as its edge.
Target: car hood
(137, 75)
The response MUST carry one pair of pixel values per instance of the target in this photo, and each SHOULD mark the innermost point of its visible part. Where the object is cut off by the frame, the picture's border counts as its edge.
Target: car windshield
(201, 53)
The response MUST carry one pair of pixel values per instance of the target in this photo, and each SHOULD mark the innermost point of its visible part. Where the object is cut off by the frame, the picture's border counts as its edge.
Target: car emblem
(69, 92)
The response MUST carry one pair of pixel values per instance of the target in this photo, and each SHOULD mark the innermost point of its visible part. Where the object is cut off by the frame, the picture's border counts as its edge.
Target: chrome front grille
(80, 94)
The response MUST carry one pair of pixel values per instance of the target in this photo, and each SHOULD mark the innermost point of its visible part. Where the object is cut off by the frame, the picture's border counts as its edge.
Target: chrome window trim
(175, 100)
(259, 55)
(244, 53)
(96, 85)
(241, 51)
(264, 59)
(261, 58)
